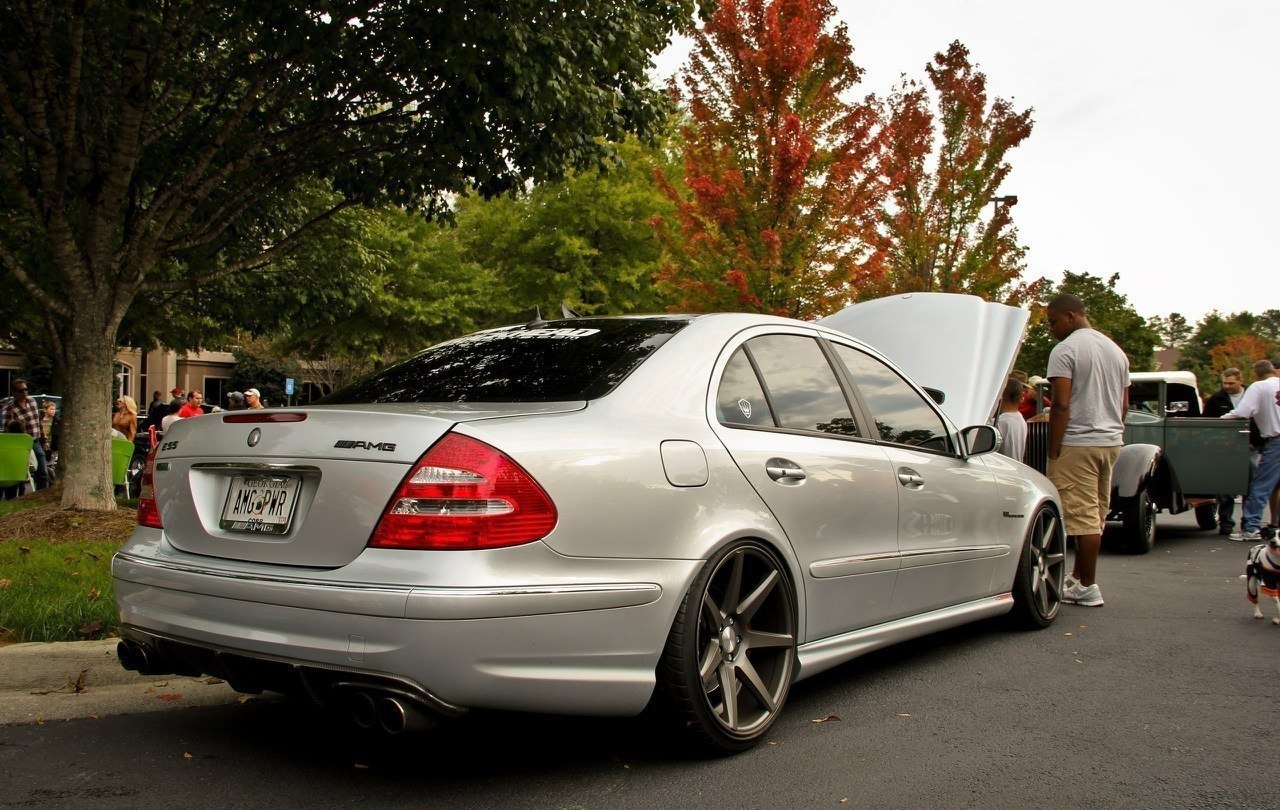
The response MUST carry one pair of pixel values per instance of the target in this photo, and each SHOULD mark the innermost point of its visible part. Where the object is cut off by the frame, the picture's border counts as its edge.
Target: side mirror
(980, 439)
(1178, 407)
(935, 395)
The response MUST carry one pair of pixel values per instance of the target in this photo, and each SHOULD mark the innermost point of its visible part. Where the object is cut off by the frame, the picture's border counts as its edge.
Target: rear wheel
(1207, 515)
(1139, 524)
(1037, 588)
(730, 657)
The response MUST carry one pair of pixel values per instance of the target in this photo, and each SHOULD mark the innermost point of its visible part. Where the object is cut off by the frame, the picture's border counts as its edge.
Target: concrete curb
(38, 683)
(37, 665)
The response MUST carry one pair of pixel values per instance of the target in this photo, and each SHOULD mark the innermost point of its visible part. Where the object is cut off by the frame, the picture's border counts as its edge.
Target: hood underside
(959, 344)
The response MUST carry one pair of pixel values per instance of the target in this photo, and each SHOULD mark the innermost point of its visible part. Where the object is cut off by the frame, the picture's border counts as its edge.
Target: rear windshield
(553, 361)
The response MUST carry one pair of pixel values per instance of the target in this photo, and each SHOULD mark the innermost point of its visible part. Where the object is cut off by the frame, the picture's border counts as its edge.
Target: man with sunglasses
(22, 415)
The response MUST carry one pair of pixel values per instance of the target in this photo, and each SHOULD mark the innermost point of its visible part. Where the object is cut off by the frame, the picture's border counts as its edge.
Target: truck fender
(1136, 464)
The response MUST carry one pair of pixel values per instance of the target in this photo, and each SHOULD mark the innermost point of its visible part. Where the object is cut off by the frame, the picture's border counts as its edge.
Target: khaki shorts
(1083, 478)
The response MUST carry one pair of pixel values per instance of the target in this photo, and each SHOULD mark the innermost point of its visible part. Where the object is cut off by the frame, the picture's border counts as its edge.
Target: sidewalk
(40, 683)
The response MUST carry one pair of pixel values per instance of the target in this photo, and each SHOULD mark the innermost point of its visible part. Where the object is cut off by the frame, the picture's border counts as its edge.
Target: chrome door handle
(784, 471)
(909, 478)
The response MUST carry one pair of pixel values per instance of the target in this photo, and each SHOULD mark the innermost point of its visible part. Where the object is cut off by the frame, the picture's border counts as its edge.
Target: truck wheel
(1139, 524)
(1207, 515)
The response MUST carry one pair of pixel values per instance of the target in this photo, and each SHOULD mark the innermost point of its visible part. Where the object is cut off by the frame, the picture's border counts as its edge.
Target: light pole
(1006, 201)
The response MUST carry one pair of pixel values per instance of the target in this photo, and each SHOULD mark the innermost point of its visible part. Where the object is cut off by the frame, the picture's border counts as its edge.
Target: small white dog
(1262, 574)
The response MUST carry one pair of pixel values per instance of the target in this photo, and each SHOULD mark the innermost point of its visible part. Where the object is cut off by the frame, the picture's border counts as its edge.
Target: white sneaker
(1247, 537)
(1085, 595)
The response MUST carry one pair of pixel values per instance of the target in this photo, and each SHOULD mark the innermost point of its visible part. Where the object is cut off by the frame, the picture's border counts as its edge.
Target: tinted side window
(740, 399)
(902, 416)
(802, 385)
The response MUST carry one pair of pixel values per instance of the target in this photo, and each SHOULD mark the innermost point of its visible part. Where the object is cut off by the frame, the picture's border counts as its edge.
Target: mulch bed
(51, 523)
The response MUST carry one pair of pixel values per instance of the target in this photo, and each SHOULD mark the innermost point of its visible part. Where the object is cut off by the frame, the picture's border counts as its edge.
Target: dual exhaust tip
(391, 713)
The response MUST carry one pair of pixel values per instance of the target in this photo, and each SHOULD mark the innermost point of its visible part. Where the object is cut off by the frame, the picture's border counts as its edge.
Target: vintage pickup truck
(1173, 460)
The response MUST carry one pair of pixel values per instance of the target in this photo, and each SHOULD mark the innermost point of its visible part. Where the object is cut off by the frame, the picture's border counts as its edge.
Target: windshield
(550, 361)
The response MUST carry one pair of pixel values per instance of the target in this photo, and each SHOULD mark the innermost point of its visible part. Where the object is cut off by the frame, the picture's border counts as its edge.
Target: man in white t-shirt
(1089, 375)
(1261, 402)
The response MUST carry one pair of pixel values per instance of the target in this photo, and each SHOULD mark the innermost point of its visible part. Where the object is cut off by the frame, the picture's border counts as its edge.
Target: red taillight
(148, 512)
(464, 494)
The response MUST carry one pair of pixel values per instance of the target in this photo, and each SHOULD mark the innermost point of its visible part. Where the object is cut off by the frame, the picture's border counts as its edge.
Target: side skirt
(821, 655)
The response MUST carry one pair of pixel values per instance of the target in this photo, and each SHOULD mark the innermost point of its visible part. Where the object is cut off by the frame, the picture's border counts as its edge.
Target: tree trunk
(85, 449)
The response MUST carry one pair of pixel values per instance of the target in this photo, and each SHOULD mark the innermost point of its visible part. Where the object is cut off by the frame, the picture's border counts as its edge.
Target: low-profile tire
(1139, 519)
(1042, 569)
(1207, 516)
(731, 654)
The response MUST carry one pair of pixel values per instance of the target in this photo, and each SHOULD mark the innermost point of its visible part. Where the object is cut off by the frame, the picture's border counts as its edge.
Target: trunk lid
(246, 485)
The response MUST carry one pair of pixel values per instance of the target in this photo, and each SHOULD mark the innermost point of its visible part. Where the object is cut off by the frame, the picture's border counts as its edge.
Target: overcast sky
(1156, 141)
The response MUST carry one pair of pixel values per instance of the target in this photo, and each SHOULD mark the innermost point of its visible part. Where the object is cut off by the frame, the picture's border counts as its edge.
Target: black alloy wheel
(731, 654)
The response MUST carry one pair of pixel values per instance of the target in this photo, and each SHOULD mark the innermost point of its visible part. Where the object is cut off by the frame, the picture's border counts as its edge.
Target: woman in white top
(1010, 422)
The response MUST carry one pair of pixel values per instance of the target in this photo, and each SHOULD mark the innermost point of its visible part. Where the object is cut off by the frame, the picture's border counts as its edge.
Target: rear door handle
(909, 478)
(784, 471)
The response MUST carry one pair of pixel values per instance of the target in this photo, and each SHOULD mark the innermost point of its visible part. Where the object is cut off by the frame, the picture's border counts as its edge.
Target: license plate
(260, 504)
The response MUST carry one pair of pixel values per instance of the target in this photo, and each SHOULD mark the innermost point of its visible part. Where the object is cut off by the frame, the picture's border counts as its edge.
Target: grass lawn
(55, 577)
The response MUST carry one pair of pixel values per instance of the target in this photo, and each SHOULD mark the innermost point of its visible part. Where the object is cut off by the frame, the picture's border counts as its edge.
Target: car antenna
(537, 319)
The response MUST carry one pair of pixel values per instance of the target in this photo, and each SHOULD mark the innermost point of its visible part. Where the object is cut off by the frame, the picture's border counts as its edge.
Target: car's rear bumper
(532, 641)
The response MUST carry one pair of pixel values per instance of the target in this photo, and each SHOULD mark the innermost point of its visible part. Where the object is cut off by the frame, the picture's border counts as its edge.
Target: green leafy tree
(153, 147)
(1108, 311)
(1172, 331)
(945, 158)
(583, 241)
(1216, 331)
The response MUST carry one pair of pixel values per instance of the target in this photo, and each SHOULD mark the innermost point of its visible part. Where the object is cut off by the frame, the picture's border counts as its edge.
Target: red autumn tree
(944, 162)
(778, 204)
(1240, 351)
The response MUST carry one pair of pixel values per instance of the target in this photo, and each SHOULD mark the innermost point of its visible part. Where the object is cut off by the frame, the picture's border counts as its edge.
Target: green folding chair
(15, 458)
(121, 452)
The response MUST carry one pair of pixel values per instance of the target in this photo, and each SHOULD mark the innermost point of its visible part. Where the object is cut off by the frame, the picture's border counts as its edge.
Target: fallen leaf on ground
(24, 550)
(159, 683)
(79, 684)
(903, 714)
(825, 719)
(4, 583)
(845, 800)
(212, 680)
(1067, 633)
(170, 696)
(245, 698)
(185, 755)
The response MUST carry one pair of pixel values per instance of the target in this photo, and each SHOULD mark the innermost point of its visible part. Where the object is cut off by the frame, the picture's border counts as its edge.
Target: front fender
(1136, 464)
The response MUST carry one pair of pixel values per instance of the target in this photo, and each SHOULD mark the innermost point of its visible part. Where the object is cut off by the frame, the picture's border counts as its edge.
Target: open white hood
(959, 344)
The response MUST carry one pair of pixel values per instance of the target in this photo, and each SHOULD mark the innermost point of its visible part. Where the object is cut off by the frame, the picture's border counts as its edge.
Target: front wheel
(1139, 524)
(1207, 515)
(1037, 588)
(731, 654)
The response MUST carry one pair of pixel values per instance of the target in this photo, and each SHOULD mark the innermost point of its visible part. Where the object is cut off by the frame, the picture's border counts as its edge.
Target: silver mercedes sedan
(596, 515)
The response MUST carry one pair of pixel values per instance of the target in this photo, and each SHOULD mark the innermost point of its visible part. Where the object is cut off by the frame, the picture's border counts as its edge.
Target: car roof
(1179, 377)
